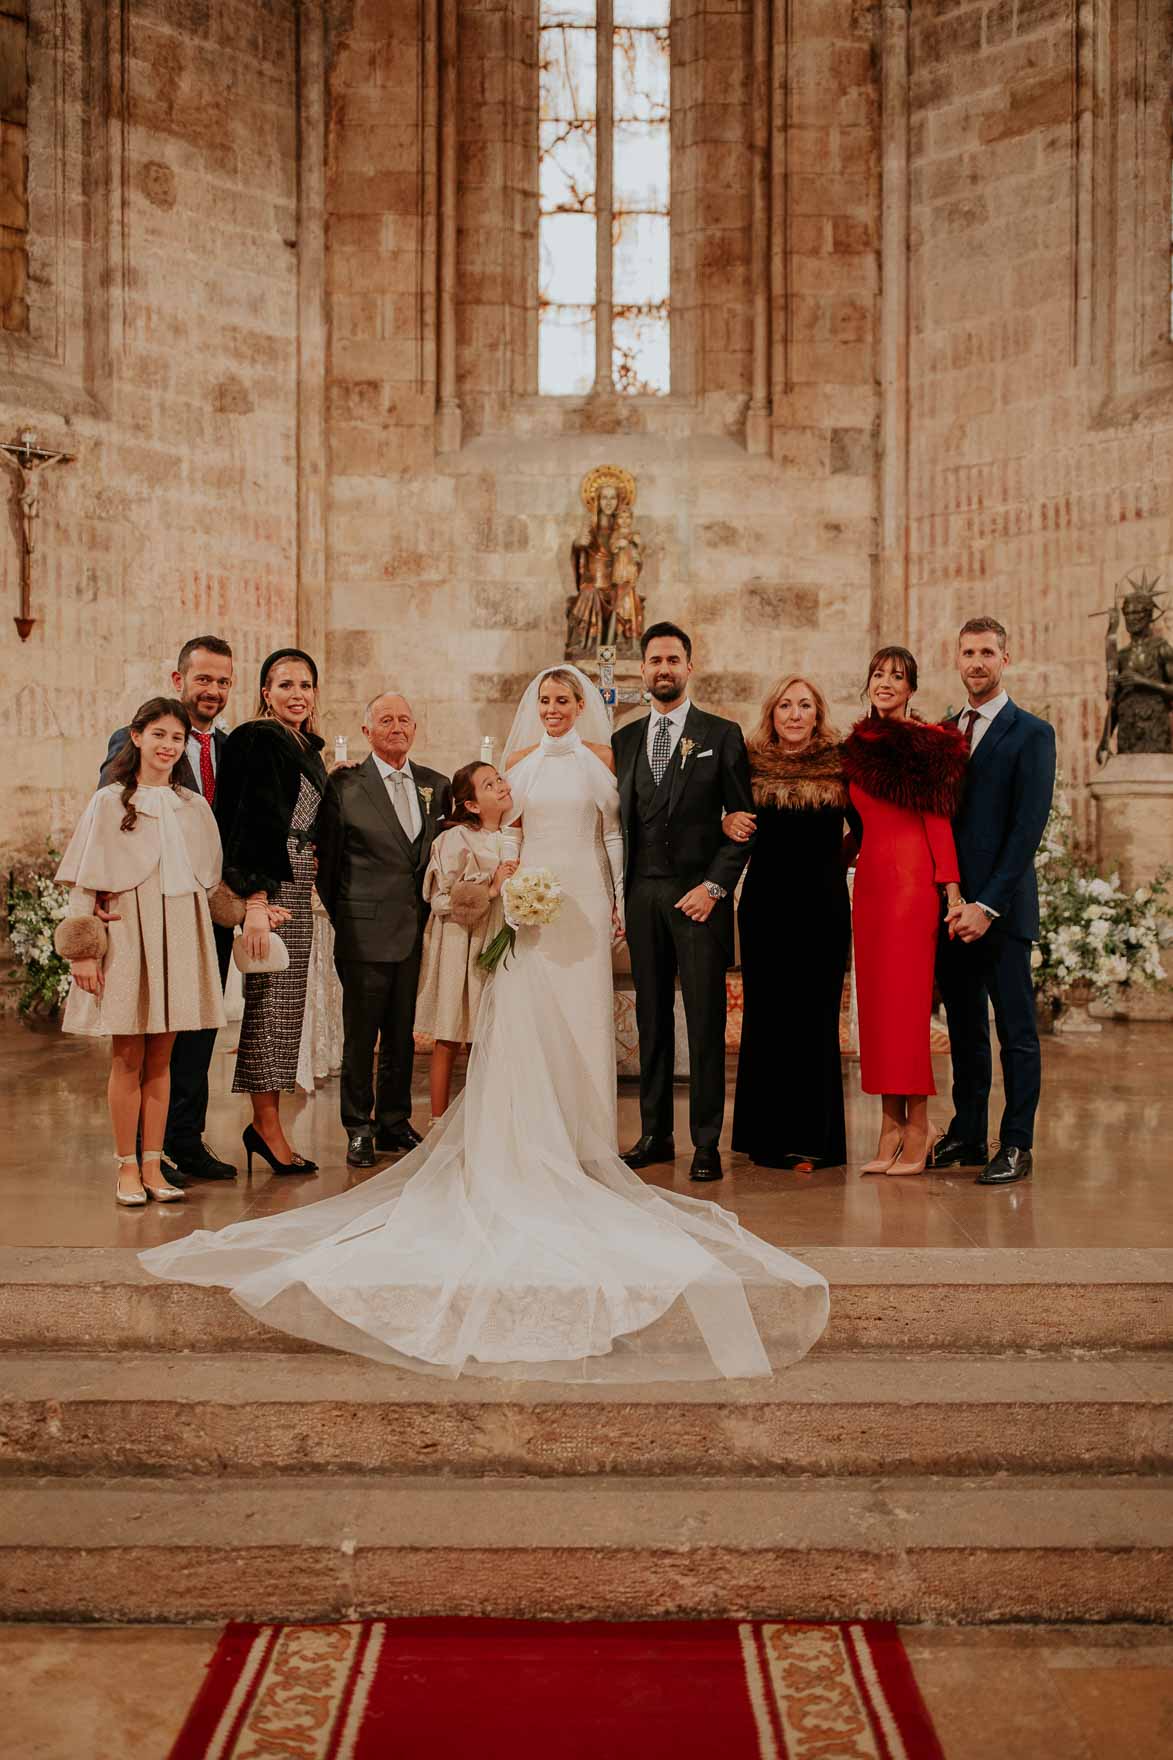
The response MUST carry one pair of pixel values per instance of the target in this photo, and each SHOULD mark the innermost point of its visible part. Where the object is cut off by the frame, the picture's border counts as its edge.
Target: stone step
(127, 1413)
(979, 1300)
(183, 1550)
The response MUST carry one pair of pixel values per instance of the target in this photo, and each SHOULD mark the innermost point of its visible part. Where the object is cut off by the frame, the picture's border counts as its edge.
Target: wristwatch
(714, 891)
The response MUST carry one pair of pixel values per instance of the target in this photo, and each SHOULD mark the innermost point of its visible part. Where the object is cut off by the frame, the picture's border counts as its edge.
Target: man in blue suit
(985, 944)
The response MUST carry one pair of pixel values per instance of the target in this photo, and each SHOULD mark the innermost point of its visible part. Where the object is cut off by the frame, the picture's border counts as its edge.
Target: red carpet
(434, 1689)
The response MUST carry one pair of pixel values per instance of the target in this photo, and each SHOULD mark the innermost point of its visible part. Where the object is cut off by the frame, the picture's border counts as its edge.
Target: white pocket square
(707, 754)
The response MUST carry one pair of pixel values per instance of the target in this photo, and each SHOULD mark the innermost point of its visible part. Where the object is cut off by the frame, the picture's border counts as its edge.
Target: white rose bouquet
(531, 899)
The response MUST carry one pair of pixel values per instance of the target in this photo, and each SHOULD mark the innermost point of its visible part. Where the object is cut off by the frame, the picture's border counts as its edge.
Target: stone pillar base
(1134, 837)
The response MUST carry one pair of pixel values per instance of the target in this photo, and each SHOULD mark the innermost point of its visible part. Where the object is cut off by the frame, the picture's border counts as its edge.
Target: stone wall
(161, 350)
(1039, 468)
(448, 570)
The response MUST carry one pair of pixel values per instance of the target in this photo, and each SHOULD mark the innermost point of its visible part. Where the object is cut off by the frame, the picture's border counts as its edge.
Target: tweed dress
(274, 1002)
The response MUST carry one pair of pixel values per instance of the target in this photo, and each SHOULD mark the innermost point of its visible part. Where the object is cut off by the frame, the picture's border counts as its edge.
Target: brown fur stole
(810, 778)
(909, 763)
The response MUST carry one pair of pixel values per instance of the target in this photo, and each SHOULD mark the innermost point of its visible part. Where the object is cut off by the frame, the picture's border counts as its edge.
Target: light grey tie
(395, 782)
(661, 749)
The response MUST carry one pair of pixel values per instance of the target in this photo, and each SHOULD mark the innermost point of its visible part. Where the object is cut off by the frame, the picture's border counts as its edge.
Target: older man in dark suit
(375, 834)
(984, 949)
(202, 681)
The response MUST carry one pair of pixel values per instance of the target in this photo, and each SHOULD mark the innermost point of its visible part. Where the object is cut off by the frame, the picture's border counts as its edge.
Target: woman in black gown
(795, 926)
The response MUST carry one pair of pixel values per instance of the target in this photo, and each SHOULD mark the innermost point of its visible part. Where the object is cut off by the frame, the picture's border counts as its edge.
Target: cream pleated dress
(451, 982)
(160, 969)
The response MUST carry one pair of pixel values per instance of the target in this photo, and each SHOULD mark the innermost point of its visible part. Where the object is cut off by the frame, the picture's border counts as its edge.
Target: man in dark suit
(375, 834)
(202, 681)
(985, 944)
(679, 770)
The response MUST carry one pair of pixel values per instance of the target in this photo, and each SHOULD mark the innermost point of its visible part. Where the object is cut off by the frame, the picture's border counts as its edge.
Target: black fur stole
(810, 778)
(908, 763)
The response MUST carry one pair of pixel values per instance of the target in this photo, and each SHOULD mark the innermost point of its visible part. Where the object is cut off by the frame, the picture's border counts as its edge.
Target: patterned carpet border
(429, 1689)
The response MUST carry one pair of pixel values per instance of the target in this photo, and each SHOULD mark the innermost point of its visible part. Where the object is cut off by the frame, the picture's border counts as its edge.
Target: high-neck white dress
(513, 1241)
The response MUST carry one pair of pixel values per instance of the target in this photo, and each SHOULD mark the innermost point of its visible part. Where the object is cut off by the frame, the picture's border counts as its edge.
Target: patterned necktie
(661, 749)
(207, 774)
(400, 802)
(974, 718)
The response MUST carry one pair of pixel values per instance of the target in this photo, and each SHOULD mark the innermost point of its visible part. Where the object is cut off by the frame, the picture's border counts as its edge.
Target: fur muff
(81, 938)
(908, 763)
(226, 906)
(807, 779)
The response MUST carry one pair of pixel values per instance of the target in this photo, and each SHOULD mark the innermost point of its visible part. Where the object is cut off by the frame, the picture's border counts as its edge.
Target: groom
(679, 771)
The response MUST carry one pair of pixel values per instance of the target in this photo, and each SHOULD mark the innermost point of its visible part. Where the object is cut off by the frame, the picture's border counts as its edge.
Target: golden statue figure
(606, 608)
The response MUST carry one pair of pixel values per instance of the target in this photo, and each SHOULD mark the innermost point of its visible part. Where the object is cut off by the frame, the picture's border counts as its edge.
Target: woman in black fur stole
(795, 924)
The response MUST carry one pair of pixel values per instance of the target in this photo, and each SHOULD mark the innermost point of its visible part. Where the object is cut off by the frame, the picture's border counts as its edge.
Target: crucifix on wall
(30, 461)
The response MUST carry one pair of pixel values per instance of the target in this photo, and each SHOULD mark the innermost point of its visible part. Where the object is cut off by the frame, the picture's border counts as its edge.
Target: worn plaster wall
(160, 349)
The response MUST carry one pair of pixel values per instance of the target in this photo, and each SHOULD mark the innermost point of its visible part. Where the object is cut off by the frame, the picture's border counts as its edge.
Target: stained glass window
(604, 197)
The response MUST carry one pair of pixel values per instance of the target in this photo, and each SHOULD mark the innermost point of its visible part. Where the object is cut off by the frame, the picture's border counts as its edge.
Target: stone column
(448, 419)
(1134, 836)
(890, 608)
(757, 421)
(311, 330)
(604, 195)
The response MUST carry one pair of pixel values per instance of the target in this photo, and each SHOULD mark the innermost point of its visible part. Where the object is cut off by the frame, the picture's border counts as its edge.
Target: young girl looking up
(146, 853)
(463, 886)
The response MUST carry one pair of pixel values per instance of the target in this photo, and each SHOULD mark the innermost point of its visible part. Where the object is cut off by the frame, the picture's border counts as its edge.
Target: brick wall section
(179, 515)
(1023, 503)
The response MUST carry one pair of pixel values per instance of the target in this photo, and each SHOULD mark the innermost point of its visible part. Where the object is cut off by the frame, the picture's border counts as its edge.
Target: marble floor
(994, 1693)
(1104, 1156)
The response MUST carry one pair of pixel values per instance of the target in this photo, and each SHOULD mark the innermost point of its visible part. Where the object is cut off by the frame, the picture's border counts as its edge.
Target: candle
(340, 748)
(487, 748)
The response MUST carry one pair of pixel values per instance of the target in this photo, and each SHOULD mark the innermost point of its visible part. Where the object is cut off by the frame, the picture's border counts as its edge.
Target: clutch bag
(468, 903)
(278, 960)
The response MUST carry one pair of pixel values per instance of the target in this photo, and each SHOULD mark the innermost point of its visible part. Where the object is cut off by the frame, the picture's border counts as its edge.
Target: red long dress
(905, 854)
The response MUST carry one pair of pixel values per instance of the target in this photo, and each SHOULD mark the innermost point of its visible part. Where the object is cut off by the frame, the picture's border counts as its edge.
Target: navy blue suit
(997, 830)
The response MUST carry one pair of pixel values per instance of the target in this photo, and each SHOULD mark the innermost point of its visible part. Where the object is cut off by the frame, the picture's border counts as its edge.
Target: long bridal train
(513, 1241)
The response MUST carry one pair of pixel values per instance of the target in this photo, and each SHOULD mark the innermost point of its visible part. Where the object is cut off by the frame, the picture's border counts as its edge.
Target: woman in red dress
(905, 778)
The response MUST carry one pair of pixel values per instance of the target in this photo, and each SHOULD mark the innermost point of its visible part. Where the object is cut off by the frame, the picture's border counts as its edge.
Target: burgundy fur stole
(908, 763)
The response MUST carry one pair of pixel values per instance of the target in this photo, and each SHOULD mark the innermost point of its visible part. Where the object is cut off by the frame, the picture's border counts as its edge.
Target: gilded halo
(602, 475)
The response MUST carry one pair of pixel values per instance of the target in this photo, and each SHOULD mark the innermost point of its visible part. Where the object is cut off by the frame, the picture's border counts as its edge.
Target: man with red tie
(202, 681)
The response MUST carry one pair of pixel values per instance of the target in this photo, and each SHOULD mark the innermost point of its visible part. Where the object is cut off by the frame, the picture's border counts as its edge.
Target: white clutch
(278, 960)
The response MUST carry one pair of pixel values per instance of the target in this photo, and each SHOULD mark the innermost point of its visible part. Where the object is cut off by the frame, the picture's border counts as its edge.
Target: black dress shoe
(706, 1164)
(956, 1152)
(360, 1150)
(649, 1151)
(395, 1142)
(198, 1162)
(1008, 1165)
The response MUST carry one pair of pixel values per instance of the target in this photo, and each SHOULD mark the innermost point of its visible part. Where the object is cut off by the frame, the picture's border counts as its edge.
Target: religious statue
(30, 461)
(606, 608)
(1140, 677)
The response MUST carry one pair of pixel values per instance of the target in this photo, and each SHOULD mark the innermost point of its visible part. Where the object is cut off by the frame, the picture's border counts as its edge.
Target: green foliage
(36, 904)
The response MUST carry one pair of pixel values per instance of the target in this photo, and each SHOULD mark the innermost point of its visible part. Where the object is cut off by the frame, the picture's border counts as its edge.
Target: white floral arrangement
(36, 904)
(531, 899)
(1091, 930)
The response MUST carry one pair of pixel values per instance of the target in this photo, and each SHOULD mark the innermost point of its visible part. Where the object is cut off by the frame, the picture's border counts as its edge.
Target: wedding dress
(513, 1241)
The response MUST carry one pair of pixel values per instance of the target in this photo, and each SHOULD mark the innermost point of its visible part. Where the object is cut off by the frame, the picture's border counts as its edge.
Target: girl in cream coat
(138, 934)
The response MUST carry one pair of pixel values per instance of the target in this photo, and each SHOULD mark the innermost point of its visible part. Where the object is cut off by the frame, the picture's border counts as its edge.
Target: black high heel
(255, 1144)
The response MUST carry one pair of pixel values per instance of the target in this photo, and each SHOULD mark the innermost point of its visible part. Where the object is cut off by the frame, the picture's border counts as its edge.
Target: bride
(513, 1241)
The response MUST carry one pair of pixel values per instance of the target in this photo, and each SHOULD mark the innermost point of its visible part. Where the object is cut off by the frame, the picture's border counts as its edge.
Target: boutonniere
(425, 794)
(686, 746)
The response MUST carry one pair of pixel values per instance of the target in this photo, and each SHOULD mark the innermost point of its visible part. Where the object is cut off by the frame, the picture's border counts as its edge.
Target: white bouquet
(531, 899)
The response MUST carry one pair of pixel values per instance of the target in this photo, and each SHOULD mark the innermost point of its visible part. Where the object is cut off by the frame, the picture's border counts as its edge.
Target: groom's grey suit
(370, 879)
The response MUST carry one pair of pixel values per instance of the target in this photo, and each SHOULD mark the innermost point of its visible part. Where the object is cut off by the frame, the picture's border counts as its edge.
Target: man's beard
(664, 690)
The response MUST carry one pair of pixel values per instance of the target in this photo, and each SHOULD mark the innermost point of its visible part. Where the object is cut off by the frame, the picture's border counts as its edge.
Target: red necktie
(974, 718)
(207, 774)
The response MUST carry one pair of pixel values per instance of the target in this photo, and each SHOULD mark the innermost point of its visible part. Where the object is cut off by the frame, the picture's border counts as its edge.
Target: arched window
(603, 197)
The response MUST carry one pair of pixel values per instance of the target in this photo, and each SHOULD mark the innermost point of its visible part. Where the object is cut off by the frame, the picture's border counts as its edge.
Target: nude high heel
(132, 1200)
(163, 1193)
(902, 1169)
(881, 1166)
